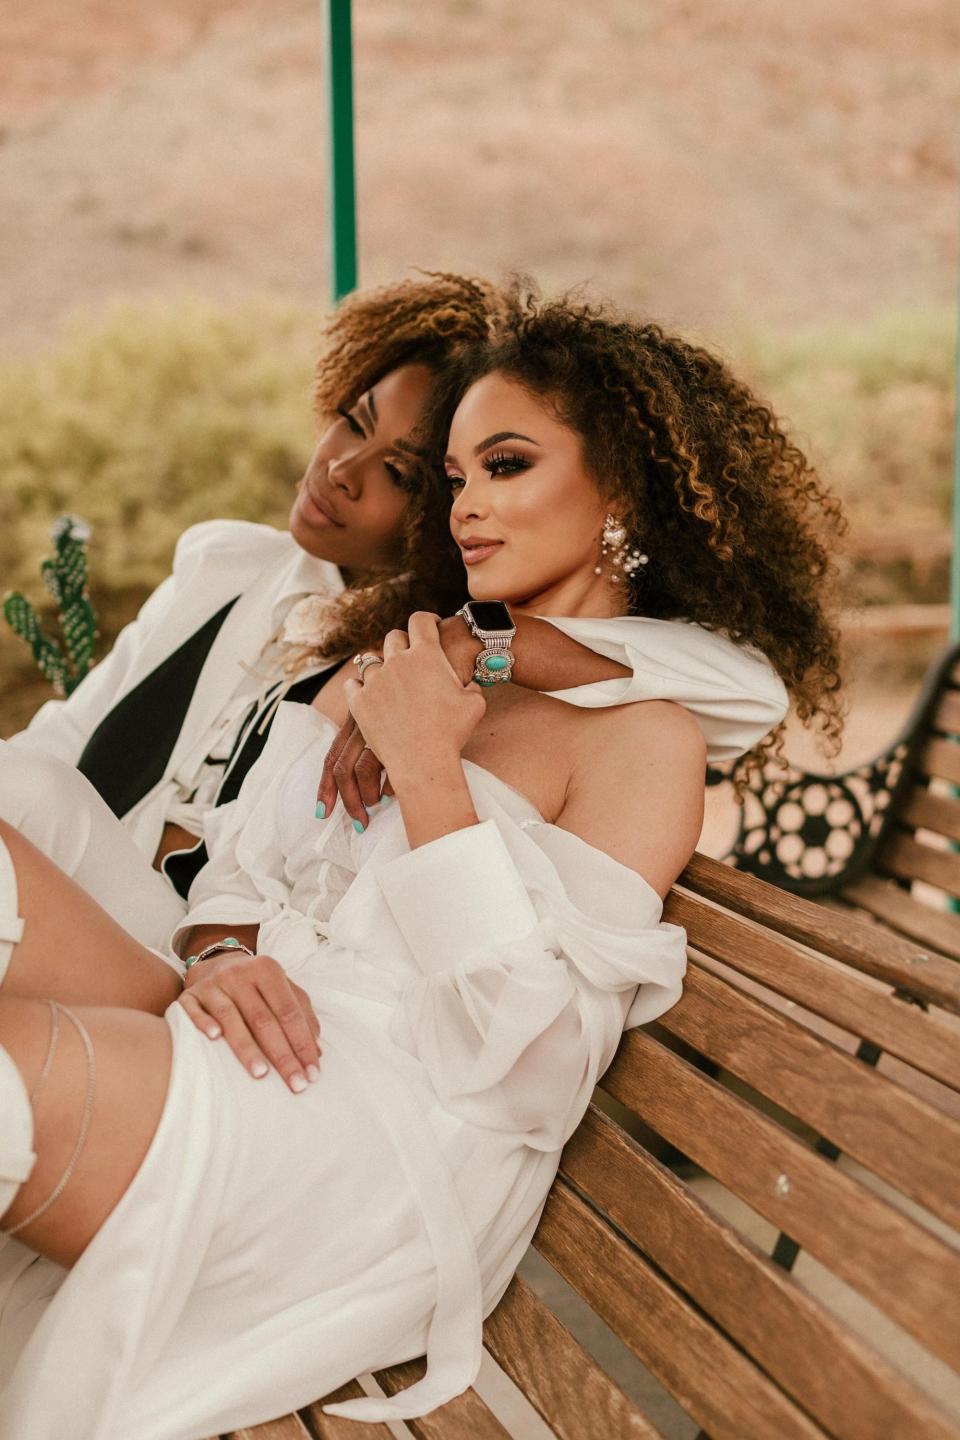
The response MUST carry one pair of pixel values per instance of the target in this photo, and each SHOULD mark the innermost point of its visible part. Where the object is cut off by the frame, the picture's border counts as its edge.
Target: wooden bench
(881, 837)
(767, 1292)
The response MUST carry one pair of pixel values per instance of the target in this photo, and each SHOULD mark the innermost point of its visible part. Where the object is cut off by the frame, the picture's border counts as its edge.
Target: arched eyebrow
(498, 439)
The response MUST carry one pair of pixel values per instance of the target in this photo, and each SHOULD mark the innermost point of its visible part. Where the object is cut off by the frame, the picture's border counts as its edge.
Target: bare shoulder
(637, 787)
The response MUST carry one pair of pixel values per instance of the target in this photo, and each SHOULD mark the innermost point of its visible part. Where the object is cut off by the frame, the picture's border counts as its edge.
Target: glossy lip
(476, 548)
(322, 504)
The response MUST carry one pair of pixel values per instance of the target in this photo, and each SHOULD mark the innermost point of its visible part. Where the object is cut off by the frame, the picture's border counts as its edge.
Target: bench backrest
(817, 1105)
(920, 841)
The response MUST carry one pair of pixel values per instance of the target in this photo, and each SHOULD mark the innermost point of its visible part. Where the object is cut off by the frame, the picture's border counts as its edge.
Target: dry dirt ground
(718, 162)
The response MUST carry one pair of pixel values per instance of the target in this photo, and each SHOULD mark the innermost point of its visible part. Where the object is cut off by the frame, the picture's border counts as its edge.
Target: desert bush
(873, 406)
(148, 420)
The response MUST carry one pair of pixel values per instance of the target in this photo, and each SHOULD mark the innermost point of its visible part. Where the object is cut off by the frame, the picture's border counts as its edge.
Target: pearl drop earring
(613, 538)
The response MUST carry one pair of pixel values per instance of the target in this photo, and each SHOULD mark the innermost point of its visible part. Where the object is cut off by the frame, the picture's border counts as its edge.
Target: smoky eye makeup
(353, 422)
(505, 462)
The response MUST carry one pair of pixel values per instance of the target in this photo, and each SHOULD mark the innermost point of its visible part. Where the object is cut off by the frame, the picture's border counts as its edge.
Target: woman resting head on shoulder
(466, 963)
(599, 467)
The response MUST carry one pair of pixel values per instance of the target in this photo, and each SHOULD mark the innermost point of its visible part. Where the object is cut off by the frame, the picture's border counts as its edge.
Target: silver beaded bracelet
(229, 942)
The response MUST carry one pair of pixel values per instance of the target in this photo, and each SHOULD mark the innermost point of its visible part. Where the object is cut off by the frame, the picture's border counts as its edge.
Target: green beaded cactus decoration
(65, 576)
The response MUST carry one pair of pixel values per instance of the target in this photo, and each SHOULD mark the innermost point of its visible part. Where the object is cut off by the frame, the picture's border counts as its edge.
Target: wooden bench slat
(921, 809)
(857, 943)
(940, 759)
(946, 714)
(901, 1267)
(817, 1359)
(288, 1427)
(566, 1387)
(335, 1427)
(838, 996)
(907, 858)
(464, 1418)
(894, 1133)
(896, 907)
(719, 1386)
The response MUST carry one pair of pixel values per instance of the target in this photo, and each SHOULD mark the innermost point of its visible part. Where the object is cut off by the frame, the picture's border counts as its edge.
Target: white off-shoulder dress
(273, 1246)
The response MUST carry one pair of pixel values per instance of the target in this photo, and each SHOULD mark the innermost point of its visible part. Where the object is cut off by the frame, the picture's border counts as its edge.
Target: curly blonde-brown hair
(738, 526)
(372, 332)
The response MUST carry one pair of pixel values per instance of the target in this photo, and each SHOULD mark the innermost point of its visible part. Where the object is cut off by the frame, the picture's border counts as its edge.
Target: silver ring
(363, 662)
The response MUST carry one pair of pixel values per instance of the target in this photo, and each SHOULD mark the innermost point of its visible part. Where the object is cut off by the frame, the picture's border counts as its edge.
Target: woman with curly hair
(115, 782)
(468, 957)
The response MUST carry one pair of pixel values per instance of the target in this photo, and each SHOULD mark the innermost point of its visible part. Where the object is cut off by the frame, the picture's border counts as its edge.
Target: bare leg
(132, 1058)
(96, 1075)
(72, 951)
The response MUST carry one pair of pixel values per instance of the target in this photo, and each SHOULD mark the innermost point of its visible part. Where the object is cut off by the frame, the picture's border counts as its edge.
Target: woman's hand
(265, 1019)
(414, 711)
(351, 769)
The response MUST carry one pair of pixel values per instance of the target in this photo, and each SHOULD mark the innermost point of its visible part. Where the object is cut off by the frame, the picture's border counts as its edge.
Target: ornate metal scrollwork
(811, 833)
(804, 831)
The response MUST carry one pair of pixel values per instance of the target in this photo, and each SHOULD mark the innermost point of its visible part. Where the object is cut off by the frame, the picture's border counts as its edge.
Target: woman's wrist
(434, 799)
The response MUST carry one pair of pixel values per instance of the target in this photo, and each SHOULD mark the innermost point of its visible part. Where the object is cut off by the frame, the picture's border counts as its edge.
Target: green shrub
(147, 421)
(873, 407)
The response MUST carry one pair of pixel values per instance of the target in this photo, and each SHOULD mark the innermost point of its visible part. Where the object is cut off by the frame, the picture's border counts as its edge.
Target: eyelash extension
(355, 426)
(501, 463)
(396, 475)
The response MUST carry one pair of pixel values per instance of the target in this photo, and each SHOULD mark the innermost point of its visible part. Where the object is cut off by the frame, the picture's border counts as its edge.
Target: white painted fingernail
(313, 1074)
(258, 1069)
(297, 1083)
(214, 1032)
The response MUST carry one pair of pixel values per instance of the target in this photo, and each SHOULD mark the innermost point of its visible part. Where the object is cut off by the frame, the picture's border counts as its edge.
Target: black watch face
(490, 615)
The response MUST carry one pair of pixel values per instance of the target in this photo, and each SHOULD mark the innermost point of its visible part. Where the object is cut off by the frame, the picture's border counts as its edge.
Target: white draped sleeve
(530, 947)
(732, 690)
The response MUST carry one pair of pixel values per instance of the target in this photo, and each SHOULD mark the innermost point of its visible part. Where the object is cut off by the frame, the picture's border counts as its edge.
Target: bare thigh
(72, 950)
(132, 1052)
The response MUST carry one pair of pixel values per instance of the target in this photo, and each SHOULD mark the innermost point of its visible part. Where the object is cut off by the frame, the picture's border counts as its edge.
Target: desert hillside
(717, 162)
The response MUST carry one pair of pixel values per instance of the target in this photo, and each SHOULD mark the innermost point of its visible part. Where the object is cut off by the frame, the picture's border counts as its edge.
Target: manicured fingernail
(297, 1083)
(258, 1069)
(313, 1074)
(214, 1032)
(385, 799)
(321, 810)
(358, 826)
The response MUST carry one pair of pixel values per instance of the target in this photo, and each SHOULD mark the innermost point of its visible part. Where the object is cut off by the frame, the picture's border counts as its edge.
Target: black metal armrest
(813, 833)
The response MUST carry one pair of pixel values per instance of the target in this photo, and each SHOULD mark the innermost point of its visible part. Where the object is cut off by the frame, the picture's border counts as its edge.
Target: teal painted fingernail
(321, 810)
(358, 826)
(385, 799)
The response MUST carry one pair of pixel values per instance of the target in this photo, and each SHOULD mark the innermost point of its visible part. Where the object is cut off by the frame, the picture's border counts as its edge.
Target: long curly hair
(738, 527)
(423, 321)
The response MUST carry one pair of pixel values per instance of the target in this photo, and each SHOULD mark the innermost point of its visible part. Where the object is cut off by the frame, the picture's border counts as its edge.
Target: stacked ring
(364, 661)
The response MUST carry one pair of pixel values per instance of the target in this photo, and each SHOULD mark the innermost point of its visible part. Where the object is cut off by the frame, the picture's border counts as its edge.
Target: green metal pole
(342, 196)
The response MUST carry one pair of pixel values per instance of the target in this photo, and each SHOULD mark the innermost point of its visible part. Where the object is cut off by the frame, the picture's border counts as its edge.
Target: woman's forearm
(544, 657)
(190, 942)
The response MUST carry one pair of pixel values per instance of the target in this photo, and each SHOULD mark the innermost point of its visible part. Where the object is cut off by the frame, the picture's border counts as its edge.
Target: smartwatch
(490, 622)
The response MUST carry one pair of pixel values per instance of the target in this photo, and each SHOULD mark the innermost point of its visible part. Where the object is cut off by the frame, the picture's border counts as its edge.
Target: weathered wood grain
(905, 1270)
(815, 1357)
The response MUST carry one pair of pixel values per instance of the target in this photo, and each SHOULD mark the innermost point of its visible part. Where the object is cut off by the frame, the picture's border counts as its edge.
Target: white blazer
(214, 562)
